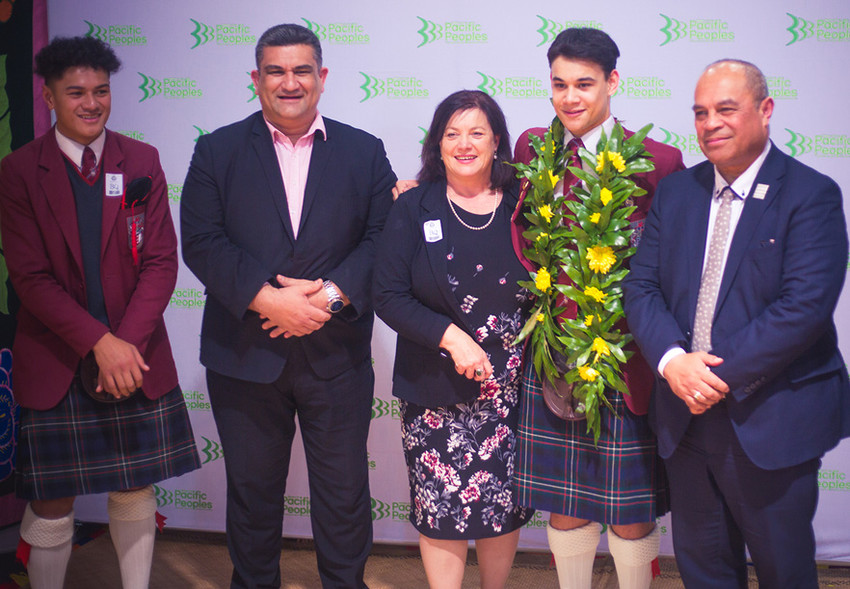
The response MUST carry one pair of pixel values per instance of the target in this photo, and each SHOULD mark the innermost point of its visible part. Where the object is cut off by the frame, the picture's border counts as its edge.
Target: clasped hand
(469, 358)
(691, 379)
(297, 308)
(120, 366)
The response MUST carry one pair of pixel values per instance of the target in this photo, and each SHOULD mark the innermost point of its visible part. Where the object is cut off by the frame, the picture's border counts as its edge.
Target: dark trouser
(256, 424)
(721, 502)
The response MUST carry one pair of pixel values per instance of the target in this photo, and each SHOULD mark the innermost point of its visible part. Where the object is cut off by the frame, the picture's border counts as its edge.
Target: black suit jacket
(413, 296)
(237, 235)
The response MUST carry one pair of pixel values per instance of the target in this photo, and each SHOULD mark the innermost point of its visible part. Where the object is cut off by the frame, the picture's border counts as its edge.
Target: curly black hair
(63, 53)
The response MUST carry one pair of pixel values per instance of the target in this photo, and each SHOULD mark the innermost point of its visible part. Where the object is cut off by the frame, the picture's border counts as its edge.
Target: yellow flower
(606, 196)
(600, 161)
(600, 258)
(541, 236)
(600, 346)
(540, 317)
(617, 161)
(588, 320)
(594, 293)
(553, 178)
(543, 280)
(587, 373)
(594, 218)
(546, 212)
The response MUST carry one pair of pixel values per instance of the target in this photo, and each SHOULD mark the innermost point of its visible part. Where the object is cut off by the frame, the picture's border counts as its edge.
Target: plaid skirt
(560, 470)
(83, 446)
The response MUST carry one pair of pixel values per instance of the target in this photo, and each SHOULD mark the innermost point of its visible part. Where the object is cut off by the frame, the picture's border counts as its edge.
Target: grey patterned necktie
(712, 273)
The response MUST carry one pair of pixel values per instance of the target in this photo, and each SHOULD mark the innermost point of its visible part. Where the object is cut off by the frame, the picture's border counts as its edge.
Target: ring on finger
(698, 396)
(479, 372)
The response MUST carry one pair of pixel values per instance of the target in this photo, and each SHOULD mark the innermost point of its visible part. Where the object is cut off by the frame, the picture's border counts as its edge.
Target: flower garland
(587, 239)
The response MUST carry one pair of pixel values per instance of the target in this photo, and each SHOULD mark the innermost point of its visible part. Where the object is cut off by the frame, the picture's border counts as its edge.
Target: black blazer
(236, 235)
(413, 296)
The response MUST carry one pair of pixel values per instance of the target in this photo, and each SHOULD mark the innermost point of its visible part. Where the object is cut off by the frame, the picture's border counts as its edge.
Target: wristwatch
(335, 303)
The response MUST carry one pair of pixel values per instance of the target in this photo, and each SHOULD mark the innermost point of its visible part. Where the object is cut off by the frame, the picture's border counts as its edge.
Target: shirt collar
(743, 183)
(74, 150)
(317, 125)
(591, 138)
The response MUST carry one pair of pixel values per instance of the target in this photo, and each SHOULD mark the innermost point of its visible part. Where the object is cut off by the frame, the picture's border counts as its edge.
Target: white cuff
(669, 355)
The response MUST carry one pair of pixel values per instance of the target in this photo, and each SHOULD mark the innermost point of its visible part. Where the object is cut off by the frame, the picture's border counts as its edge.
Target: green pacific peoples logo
(833, 480)
(781, 88)
(398, 511)
(696, 30)
(823, 145)
(687, 143)
(823, 29)
(514, 86)
(251, 88)
(197, 401)
(175, 191)
(643, 88)
(382, 408)
(380, 510)
(296, 505)
(466, 31)
(395, 87)
(200, 131)
(220, 34)
(339, 33)
(211, 450)
(190, 499)
(549, 28)
(187, 298)
(117, 34)
(171, 88)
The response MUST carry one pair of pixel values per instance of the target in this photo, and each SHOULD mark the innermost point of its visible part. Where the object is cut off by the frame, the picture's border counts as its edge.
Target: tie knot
(574, 144)
(89, 167)
(727, 195)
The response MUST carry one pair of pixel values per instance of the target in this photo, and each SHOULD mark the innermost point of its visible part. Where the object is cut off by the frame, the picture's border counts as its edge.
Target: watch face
(336, 306)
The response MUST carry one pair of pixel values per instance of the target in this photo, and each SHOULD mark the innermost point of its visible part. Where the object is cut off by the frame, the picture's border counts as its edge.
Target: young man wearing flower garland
(611, 475)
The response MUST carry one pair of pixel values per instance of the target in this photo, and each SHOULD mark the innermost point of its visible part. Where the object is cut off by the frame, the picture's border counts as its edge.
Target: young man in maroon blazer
(92, 253)
(619, 482)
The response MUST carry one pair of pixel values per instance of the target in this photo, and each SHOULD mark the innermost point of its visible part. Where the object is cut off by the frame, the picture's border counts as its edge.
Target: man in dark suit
(731, 296)
(279, 217)
(92, 253)
(618, 481)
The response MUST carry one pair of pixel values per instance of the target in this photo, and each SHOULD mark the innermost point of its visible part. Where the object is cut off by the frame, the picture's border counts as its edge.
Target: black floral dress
(461, 457)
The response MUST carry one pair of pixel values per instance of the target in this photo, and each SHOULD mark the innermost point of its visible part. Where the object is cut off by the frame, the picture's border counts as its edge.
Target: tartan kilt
(560, 470)
(82, 446)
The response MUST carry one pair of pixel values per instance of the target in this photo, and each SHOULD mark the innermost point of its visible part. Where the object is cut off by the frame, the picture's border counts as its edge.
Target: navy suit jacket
(789, 397)
(413, 296)
(237, 235)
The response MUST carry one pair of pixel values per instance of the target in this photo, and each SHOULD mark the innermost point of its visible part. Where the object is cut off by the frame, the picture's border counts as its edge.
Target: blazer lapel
(771, 174)
(57, 190)
(322, 153)
(435, 210)
(261, 142)
(113, 162)
(696, 231)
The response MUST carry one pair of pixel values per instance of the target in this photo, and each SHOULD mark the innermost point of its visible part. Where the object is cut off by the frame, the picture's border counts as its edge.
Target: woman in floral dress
(446, 281)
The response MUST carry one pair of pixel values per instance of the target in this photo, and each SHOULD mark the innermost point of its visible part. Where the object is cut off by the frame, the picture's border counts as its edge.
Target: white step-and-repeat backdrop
(186, 72)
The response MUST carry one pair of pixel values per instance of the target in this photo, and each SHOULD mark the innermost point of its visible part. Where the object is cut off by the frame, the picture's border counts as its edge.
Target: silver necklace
(462, 222)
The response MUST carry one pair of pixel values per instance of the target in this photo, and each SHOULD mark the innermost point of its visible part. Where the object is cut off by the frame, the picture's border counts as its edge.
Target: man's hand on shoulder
(403, 186)
(120, 364)
(288, 310)
(691, 379)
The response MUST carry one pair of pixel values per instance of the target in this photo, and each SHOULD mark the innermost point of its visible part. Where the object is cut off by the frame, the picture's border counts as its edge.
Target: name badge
(114, 184)
(433, 231)
(760, 191)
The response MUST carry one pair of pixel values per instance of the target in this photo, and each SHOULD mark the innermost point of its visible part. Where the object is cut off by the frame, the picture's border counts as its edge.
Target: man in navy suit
(279, 217)
(731, 296)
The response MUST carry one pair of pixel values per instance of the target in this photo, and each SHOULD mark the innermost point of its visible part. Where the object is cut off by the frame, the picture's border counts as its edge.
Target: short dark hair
(756, 82)
(63, 53)
(433, 169)
(586, 43)
(285, 35)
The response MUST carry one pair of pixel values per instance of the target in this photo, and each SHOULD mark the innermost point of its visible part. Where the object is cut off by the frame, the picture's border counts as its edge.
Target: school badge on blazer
(134, 198)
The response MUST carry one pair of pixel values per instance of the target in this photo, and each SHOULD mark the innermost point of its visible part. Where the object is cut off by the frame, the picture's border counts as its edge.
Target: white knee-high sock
(50, 548)
(574, 551)
(132, 526)
(633, 558)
